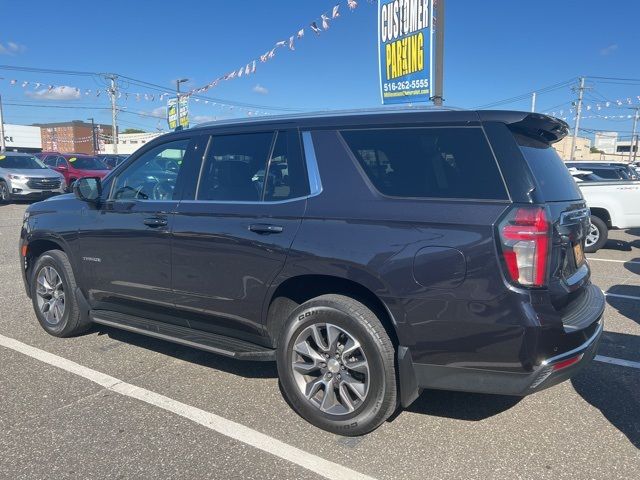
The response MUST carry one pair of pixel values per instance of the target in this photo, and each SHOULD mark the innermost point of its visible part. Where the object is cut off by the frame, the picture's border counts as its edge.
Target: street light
(178, 82)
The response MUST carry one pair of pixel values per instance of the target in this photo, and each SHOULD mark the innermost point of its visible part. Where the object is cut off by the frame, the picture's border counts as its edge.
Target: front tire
(336, 365)
(597, 236)
(5, 196)
(53, 287)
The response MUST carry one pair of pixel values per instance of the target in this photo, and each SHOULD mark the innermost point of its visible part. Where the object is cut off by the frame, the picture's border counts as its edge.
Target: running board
(210, 342)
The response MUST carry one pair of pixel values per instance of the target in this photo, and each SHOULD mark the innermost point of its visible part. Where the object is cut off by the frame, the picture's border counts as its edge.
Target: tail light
(525, 238)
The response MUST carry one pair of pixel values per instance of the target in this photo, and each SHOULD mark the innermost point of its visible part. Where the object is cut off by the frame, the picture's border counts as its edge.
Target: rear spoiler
(542, 127)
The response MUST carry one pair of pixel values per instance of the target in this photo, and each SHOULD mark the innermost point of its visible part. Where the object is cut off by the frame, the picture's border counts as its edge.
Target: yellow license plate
(578, 253)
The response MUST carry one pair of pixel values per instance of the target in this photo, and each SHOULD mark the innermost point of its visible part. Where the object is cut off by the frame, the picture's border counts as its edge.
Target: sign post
(405, 50)
(172, 112)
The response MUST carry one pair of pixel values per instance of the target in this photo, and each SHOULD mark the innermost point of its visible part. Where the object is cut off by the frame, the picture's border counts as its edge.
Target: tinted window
(428, 162)
(286, 176)
(20, 162)
(552, 176)
(234, 167)
(87, 163)
(153, 175)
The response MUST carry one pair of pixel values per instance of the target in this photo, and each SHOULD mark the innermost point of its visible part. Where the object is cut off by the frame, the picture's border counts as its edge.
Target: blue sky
(495, 50)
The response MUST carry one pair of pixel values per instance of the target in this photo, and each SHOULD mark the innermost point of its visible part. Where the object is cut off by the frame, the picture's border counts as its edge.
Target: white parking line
(634, 262)
(617, 361)
(209, 420)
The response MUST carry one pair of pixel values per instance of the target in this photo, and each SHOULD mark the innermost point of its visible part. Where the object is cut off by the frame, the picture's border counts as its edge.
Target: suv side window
(234, 167)
(252, 167)
(428, 162)
(61, 162)
(153, 175)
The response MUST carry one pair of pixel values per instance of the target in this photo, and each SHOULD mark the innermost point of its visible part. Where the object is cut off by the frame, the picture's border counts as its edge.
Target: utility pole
(634, 138)
(3, 146)
(437, 82)
(533, 102)
(93, 134)
(581, 90)
(113, 92)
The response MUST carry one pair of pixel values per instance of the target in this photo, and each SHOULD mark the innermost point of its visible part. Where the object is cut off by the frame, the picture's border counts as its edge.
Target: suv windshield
(21, 162)
(553, 178)
(87, 163)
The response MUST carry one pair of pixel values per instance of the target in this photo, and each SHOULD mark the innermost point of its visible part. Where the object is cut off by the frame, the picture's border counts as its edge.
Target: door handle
(155, 222)
(265, 228)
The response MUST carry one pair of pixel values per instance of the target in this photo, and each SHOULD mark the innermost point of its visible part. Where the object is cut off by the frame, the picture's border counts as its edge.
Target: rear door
(233, 236)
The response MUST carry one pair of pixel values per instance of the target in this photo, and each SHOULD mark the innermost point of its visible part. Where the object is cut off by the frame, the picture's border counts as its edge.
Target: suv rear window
(552, 176)
(428, 162)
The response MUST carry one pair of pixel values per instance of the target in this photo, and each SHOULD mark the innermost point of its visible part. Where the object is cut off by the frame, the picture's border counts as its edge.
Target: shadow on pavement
(243, 368)
(621, 245)
(628, 307)
(633, 231)
(461, 405)
(613, 389)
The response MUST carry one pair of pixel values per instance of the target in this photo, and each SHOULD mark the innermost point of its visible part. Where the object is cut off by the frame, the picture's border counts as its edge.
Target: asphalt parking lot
(111, 404)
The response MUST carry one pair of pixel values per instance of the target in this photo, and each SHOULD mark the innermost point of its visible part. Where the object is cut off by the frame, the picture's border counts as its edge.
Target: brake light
(524, 234)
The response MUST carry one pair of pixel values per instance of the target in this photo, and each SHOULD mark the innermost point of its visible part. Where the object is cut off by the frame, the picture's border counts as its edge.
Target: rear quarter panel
(353, 232)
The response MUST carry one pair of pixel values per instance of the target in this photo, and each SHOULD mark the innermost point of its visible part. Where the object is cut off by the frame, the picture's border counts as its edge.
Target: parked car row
(26, 176)
(612, 192)
(603, 171)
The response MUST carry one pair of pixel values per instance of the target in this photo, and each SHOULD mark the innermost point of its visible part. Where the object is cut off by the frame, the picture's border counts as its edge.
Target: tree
(595, 150)
(133, 130)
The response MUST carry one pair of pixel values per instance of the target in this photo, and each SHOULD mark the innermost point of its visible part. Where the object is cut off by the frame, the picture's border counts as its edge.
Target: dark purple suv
(370, 254)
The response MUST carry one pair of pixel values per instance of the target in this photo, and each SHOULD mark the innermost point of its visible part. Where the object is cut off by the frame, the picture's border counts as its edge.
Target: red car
(74, 166)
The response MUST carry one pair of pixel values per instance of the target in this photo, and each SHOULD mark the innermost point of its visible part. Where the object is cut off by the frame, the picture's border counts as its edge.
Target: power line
(527, 95)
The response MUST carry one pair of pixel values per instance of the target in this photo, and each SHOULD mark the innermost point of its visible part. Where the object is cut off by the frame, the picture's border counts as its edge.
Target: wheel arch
(40, 245)
(603, 214)
(296, 290)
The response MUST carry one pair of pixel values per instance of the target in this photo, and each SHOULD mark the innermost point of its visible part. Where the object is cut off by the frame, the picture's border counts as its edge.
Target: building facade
(129, 142)
(22, 138)
(72, 137)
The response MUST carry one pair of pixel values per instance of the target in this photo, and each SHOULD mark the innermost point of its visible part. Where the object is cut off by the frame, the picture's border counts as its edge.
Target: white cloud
(62, 92)
(609, 49)
(260, 89)
(203, 118)
(11, 48)
(158, 112)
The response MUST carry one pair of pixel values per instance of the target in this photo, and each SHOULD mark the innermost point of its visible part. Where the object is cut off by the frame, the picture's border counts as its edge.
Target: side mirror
(88, 189)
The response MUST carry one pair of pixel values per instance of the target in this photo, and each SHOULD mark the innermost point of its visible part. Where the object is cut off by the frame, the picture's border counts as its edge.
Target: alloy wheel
(50, 295)
(330, 368)
(593, 236)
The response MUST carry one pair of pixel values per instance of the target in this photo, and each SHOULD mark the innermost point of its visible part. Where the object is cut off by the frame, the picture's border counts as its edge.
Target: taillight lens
(524, 234)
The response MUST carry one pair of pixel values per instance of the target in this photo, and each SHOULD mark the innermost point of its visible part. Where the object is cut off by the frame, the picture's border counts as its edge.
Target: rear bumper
(549, 371)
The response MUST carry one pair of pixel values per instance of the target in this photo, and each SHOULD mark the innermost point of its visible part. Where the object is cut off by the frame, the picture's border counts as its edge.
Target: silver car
(23, 176)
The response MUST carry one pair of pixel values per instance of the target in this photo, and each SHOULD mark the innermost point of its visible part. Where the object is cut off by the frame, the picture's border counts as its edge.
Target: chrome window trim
(315, 182)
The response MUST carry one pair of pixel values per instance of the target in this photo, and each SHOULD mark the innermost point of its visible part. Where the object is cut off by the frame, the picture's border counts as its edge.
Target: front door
(125, 241)
(234, 237)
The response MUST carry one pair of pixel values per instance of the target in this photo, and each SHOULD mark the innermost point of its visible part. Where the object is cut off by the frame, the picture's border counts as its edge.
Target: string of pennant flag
(317, 26)
(629, 102)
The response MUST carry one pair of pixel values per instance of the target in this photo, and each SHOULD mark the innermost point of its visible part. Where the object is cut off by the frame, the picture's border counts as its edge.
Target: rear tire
(597, 236)
(53, 287)
(345, 383)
